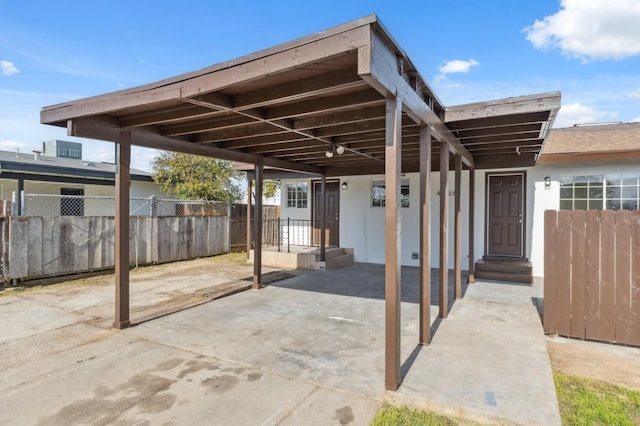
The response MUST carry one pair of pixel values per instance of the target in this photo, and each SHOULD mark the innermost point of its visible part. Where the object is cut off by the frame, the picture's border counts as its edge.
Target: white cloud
(636, 120)
(634, 94)
(14, 146)
(456, 66)
(593, 29)
(576, 113)
(8, 68)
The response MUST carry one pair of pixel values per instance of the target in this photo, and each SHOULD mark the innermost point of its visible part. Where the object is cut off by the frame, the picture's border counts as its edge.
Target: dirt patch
(614, 364)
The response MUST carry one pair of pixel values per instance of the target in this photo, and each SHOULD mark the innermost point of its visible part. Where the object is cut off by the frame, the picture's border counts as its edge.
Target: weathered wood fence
(592, 275)
(55, 245)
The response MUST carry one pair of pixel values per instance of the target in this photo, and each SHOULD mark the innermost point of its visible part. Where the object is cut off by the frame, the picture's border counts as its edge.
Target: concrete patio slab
(308, 349)
(488, 361)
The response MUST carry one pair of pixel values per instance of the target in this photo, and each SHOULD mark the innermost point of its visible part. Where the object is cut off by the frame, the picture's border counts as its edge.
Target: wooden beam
(249, 189)
(378, 65)
(425, 252)
(323, 219)
(343, 117)
(105, 129)
(257, 228)
(444, 234)
(458, 229)
(319, 85)
(472, 196)
(123, 161)
(317, 47)
(508, 106)
(393, 157)
(328, 104)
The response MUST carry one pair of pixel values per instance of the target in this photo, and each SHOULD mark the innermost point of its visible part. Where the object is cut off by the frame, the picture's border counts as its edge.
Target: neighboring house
(595, 167)
(60, 170)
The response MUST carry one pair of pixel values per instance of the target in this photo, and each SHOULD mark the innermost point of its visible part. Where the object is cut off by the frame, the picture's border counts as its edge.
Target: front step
(335, 258)
(505, 269)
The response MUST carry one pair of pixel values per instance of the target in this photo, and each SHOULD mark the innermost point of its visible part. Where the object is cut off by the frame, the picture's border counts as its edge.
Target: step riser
(501, 276)
(512, 269)
(339, 262)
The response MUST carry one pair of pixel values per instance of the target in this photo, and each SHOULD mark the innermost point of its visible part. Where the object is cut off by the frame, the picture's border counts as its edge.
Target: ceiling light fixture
(335, 149)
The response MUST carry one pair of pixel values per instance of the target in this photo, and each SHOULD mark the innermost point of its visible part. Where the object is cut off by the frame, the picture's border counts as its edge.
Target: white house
(60, 171)
(594, 167)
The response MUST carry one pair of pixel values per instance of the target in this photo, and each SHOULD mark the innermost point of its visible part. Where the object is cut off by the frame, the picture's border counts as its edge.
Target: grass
(403, 416)
(593, 402)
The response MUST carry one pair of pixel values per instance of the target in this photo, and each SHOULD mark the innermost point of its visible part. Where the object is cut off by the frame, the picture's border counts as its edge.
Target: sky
(467, 50)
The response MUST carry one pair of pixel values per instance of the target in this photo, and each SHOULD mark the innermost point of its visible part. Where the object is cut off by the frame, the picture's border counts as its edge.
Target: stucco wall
(362, 226)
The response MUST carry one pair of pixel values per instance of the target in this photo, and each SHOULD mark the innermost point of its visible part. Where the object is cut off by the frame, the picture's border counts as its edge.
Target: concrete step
(505, 269)
(332, 252)
(504, 266)
(339, 261)
(504, 276)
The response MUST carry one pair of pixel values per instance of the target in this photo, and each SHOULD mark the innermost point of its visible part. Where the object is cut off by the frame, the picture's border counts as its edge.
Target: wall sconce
(547, 182)
(344, 185)
(338, 149)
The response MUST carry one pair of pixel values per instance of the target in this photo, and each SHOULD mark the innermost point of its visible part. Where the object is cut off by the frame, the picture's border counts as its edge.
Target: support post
(123, 162)
(393, 161)
(20, 208)
(323, 218)
(457, 289)
(257, 228)
(425, 252)
(249, 184)
(444, 234)
(472, 195)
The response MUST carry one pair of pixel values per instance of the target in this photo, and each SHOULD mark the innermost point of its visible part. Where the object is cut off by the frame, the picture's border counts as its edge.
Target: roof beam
(507, 106)
(106, 129)
(378, 65)
(215, 78)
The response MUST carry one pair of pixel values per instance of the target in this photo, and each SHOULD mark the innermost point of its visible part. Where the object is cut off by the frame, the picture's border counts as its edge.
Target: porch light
(547, 182)
(339, 149)
(344, 185)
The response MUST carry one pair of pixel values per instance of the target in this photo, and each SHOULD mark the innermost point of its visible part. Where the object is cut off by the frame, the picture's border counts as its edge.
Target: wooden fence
(238, 226)
(592, 275)
(55, 245)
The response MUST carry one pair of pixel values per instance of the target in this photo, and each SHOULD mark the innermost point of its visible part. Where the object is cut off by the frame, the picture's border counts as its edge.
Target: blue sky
(468, 51)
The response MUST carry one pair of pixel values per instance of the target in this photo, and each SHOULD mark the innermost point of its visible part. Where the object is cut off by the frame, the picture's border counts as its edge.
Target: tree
(191, 177)
(196, 178)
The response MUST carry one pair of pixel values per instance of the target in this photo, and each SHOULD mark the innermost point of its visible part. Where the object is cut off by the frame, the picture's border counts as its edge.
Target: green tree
(191, 177)
(196, 178)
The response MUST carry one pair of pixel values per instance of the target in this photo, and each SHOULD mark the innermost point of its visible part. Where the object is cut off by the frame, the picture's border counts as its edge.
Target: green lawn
(592, 402)
(402, 416)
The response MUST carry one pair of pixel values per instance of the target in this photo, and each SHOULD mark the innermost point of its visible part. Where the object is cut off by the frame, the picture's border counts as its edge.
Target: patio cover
(284, 107)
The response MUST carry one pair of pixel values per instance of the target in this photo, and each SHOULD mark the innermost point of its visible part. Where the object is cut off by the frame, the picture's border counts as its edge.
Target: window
(297, 195)
(378, 193)
(613, 192)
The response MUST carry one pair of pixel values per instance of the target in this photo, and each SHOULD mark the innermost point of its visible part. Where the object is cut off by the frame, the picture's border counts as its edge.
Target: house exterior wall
(362, 226)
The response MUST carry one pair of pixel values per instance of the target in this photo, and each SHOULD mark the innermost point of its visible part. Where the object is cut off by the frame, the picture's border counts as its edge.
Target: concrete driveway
(305, 350)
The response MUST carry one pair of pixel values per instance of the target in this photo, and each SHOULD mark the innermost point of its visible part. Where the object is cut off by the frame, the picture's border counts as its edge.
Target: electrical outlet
(415, 256)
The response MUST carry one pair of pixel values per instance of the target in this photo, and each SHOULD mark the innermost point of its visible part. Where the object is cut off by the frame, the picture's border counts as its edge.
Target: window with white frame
(597, 192)
(297, 195)
(378, 193)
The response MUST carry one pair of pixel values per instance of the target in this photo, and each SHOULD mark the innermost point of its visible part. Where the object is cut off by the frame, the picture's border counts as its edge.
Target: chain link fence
(79, 205)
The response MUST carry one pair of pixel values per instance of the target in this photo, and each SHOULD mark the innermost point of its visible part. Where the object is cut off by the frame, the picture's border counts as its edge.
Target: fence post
(278, 233)
(153, 210)
(23, 207)
(228, 234)
(14, 204)
(288, 236)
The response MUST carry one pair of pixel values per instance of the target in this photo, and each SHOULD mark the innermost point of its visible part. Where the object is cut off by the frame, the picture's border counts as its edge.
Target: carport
(283, 108)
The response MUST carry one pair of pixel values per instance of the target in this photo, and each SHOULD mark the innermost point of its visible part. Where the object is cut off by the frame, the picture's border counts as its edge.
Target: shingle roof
(596, 138)
(54, 164)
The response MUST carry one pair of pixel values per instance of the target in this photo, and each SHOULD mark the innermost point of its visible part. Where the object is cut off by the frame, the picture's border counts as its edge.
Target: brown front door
(332, 234)
(505, 212)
